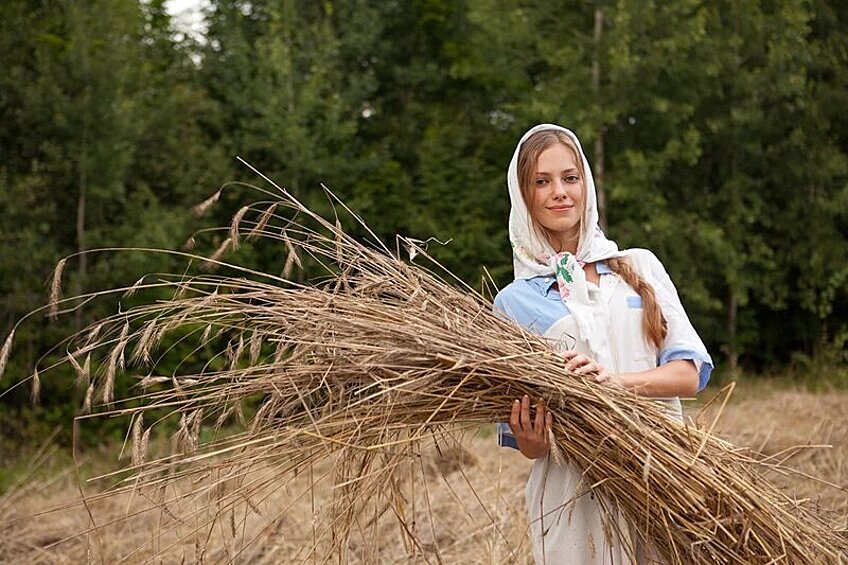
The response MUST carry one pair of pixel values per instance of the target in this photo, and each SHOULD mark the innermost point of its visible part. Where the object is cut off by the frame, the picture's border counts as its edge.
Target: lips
(560, 208)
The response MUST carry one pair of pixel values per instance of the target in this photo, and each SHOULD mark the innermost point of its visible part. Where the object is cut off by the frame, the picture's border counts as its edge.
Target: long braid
(654, 323)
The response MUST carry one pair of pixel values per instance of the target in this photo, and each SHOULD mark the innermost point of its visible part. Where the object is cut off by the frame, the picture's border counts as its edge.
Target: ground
(468, 506)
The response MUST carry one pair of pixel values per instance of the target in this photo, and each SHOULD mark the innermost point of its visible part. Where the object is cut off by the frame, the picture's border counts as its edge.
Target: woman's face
(558, 196)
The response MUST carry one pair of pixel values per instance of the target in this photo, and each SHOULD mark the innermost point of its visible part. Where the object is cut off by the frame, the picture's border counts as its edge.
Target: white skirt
(571, 524)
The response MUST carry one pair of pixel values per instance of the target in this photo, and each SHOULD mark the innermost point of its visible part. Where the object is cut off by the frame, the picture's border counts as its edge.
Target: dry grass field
(466, 502)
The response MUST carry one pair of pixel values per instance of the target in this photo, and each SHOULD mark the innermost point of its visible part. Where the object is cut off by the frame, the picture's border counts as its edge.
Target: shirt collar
(544, 284)
(603, 268)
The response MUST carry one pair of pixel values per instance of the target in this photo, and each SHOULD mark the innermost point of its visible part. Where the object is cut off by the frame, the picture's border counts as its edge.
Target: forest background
(717, 131)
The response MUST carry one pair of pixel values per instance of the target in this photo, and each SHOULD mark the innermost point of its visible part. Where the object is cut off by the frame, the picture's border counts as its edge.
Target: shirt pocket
(642, 355)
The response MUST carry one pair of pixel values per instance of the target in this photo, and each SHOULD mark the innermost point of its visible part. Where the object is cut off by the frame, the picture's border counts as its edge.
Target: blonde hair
(654, 324)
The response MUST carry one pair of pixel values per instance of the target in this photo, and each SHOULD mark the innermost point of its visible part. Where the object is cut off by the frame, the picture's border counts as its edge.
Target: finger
(577, 361)
(592, 367)
(526, 422)
(539, 423)
(514, 417)
(569, 354)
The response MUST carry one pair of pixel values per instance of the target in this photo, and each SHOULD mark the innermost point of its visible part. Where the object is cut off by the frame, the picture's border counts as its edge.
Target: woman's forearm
(675, 378)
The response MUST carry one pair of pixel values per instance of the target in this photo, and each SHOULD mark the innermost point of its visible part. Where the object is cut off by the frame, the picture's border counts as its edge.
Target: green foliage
(724, 145)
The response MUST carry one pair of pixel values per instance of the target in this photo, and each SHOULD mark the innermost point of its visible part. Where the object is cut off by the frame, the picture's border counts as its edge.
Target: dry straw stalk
(381, 356)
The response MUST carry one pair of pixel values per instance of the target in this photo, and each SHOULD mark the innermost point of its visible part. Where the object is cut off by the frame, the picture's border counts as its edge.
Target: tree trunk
(82, 195)
(599, 133)
(731, 351)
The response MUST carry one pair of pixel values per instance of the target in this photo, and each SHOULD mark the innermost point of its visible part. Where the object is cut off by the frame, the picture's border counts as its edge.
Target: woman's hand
(532, 436)
(585, 365)
(675, 378)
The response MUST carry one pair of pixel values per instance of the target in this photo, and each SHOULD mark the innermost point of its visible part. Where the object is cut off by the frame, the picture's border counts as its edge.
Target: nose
(558, 188)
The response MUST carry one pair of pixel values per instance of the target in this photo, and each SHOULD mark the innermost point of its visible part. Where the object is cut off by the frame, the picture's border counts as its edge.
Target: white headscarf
(533, 255)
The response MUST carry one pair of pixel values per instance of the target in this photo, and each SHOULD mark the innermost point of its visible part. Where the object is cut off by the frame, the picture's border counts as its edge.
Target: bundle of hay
(382, 356)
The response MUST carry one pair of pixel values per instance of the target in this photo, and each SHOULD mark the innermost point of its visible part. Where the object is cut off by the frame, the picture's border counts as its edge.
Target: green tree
(99, 112)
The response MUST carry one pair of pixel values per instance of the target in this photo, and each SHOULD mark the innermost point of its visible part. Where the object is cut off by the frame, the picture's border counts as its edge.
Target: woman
(617, 319)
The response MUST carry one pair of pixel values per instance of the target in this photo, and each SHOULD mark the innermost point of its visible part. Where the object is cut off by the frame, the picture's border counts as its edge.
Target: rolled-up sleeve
(681, 341)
